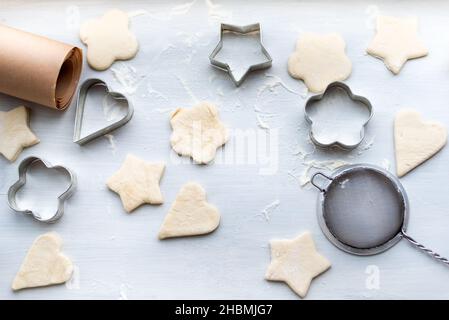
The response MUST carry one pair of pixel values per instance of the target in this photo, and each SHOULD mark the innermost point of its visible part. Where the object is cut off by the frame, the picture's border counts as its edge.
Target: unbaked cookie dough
(108, 39)
(190, 214)
(44, 264)
(396, 41)
(416, 140)
(137, 182)
(197, 132)
(15, 133)
(296, 262)
(319, 60)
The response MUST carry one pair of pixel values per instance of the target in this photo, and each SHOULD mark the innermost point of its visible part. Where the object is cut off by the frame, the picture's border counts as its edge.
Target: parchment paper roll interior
(38, 69)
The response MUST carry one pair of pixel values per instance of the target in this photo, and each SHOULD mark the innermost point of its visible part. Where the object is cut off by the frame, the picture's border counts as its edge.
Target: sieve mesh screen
(363, 209)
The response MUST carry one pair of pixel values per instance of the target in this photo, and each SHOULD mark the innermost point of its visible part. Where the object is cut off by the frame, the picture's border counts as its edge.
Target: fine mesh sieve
(363, 210)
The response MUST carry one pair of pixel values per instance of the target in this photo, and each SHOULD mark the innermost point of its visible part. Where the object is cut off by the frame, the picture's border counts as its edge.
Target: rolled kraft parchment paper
(38, 69)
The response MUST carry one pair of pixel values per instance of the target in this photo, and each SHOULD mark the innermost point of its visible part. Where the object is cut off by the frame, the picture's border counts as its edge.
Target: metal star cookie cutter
(82, 95)
(313, 102)
(252, 28)
(23, 168)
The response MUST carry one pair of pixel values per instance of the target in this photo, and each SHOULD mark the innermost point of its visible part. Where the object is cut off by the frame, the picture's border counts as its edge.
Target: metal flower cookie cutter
(338, 117)
(363, 210)
(80, 106)
(23, 168)
(241, 30)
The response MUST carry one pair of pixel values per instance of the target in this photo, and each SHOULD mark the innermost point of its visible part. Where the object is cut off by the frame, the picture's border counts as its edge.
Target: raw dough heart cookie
(44, 264)
(296, 262)
(197, 132)
(15, 133)
(137, 182)
(108, 39)
(396, 41)
(415, 140)
(319, 60)
(190, 214)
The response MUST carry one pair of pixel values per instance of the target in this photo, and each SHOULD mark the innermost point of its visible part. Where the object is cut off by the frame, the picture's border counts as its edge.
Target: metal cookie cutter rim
(80, 104)
(25, 164)
(353, 97)
(242, 30)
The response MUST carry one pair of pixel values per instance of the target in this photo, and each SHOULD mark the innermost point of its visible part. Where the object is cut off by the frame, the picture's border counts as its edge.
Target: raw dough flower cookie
(15, 133)
(44, 264)
(319, 60)
(137, 182)
(197, 132)
(108, 39)
(416, 140)
(396, 41)
(190, 214)
(296, 262)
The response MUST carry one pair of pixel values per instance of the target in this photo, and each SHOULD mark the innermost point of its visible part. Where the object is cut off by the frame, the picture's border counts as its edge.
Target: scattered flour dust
(74, 282)
(302, 153)
(261, 117)
(123, 292)
(263, 113)
(137, 13)
(216, 12)
(269, 209)
(220, 92)
(182, 8)
(330, 165)
(191, 39)
(164, 110)
(187, 89)
(366, 146)
(305, 93)
(261, 123)
(386, 164)
(273, 82)
(177, 10)
(155, 93)
(112, 144)
(304, 178)
(128, 77)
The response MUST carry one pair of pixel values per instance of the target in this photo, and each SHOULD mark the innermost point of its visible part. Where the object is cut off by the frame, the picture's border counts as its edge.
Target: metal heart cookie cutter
(363, 210)
(23, 168)
(242, 30)
(80, 105)
(337, 117)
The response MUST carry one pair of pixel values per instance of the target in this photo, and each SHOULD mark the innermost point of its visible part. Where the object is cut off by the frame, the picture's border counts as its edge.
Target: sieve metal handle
(312, 181)
(421, 247)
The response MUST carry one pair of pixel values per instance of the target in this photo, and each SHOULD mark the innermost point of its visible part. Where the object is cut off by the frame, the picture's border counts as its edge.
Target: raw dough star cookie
(319, 60)
(108, 39)
(190, 214)
(197, 132)
(137, 182)
(296, 262)
(415, 140)
(44, 264)
(396, 41)
(15, 133)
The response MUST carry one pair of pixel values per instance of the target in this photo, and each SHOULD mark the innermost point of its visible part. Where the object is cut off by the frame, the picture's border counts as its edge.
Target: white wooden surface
(118, 254)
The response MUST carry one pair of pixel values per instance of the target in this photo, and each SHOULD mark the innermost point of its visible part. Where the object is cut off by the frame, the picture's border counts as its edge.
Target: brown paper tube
(38, 69)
